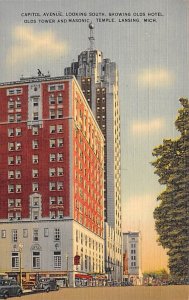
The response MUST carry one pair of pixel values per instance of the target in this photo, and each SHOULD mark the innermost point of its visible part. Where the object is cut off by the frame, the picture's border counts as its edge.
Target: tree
(172, 214)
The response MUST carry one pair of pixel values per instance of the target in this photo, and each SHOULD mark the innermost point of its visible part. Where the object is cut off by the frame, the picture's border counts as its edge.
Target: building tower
(132, 257)
(98, 78)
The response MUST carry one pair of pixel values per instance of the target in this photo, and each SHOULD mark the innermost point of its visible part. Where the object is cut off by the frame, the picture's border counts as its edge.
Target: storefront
(82, 280)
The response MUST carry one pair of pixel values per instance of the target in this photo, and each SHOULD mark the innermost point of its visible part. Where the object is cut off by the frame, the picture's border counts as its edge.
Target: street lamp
(67, 270)
(20, 247)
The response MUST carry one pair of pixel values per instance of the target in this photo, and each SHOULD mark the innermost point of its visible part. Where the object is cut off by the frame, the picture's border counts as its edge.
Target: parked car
(126, 283)
(28, 285)
(47, 284)
(10, 287)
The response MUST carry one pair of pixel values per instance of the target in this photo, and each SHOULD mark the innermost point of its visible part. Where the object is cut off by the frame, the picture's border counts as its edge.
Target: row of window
(14, 118)
(14, 91)
(16, 215)
(53, 114)
(53, 186)
(15, 146)
(53, 172)
(55, 100)
(36, 260)
(14, 104)
(83, 239)
(35, 130)
(35, 234)
(53, 157)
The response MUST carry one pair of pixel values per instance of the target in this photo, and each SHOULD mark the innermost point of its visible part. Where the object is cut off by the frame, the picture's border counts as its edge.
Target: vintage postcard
(94, 135)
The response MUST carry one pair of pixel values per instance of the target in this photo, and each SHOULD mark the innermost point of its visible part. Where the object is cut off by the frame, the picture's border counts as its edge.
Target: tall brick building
(51, 179)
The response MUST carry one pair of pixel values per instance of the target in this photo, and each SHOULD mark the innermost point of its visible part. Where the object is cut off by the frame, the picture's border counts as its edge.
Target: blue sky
(152, 58)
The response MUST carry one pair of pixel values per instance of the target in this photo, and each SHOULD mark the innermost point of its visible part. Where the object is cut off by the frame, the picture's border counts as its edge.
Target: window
(52, 200)
(60, 87)
(18, 118)
(52, 114)
(35, 173)
(3, 233)
(11, 188)
(18, 103)
(18, 132)
(15, 260)
(18, 188)
(60, 142)
(18, 146)
(52, 143)
(35, 116)
(35, 130)
(59, 99)
(10, 118)
(52, 129)
(10, 160)
(18, 202)
(52, 215)
(36, 201)
(10, 132)
(35, 215)
(35, 101)
(59, 128)
(36, 260)
(60, 172)
(57, 234)
(35, 186)
(51, 88)
(14, 235)
(35, 144)
(10, 202)
(57, 259)
(18, 160)
(60, 156)
(60, 186)
(35, 235)
(60, 200)
(35, 159)
(18, 174)
(52, 172)
(52, 157)
(60, 113)
(25, 233)
(52, 186)
(10, 174)
(11, 146)
(10, 104)
(60, 214)
(51, 100)
(46, 232)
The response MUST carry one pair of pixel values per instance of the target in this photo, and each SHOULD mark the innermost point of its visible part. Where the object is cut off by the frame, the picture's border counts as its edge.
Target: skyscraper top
(91, 37)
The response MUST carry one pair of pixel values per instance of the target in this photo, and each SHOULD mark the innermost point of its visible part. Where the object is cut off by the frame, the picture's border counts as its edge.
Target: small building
(132, 257)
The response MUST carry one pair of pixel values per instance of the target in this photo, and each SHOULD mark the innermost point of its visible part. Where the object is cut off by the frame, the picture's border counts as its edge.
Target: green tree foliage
(172, 214)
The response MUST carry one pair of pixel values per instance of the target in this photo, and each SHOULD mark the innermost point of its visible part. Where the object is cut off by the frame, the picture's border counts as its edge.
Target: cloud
(155, 77)
(29, 44)
(148, 127)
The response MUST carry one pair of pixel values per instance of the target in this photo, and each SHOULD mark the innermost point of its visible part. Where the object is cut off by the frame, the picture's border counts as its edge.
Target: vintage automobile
(28, 285)
(47, 284)
(10, 287)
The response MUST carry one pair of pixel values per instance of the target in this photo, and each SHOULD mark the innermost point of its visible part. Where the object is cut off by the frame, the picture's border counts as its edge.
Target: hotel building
(51, 180)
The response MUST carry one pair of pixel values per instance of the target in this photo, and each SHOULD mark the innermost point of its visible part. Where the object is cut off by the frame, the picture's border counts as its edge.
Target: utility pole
(20, 248)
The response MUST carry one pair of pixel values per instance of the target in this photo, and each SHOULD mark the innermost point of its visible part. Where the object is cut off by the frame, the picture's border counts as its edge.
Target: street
(179, 292)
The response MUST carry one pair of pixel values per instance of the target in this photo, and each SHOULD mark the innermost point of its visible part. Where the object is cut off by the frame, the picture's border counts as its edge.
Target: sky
(152, 58)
